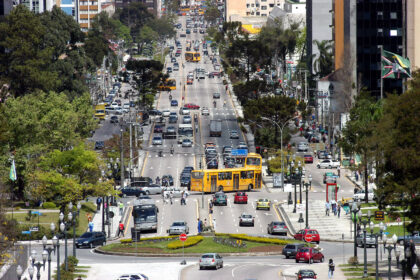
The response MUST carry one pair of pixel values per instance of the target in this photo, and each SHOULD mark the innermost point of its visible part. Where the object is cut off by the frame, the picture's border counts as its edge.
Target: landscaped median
(197, 244)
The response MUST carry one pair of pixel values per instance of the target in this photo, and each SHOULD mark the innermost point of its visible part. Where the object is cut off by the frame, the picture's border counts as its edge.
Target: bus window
(225, 175)
(253, 161)
(197, 175)
(247, 174)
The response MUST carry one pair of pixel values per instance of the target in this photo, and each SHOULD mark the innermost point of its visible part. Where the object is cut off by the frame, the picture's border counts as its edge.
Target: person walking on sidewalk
(199, 226)
(331, 268)
(90, 225)
(338, 172)
(121, 207)
(121, 229)
(327, 208)
(98, 203)
(338, 210)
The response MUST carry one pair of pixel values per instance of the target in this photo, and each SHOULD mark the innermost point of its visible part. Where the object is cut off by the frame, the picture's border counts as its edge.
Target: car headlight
(86, 242)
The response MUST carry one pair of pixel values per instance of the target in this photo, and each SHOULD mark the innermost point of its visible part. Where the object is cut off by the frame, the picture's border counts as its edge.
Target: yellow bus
(192, 56)
(248, 177)
(169, 84)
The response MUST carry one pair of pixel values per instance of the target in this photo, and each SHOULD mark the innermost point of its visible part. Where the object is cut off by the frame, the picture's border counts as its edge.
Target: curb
(285, 218)
(180, 276)
(152, 255)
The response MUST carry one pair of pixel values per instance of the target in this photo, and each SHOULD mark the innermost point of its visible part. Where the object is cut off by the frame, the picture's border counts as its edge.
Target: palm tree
(323, 64)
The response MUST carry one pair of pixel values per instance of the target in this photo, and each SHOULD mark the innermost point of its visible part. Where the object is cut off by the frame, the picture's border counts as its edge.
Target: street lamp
(56, 243)
(19, 272)
(307, 185)
(79, 206)
(31, 272)
(355, 210)
(289, 200)
(295, 174)
(281, 143)
(376, 235)
(365, 222)
(38, 265)
(48, 250)
(63, 227)
(300, 181)
(390, 247)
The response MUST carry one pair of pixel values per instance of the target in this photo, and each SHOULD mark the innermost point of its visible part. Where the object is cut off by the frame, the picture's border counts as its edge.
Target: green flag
(395, 66)
(12, 174)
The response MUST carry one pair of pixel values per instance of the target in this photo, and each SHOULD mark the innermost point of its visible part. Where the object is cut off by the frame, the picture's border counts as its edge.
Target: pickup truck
(360, 195)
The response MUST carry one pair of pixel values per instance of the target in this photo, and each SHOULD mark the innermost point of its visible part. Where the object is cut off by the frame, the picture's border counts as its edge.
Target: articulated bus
(169, 84)
(243, 178)
(192, 56)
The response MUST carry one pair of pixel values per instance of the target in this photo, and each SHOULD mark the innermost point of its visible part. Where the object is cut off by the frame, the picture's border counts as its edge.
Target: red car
(309, 255)
(241, 197)
(308, 159)
(191, 106)
(308, 235)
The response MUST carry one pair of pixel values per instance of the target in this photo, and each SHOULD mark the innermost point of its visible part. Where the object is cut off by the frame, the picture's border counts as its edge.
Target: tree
(279, 109)
(134, 16)
(24, 56)
(357, 135)
(96, 46)
(164, 28)
(399, 146)
(71, 175)
(147, 36)
(212, 13)
(324, 62)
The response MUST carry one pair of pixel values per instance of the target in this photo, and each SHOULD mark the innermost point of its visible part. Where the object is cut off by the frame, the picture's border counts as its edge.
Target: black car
(99, 145)
(290, 250)
(131, 191)
(155, 112)
(188, 168)
(169, 179)
(91, 239)
(114, 119)
(185, 180)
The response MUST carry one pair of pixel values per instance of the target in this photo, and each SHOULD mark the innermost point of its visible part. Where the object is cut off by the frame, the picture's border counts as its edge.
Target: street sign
(34, 229)
(300, 208)
(276, 180)
(379, 215)
(239, 152)
(308, 238)
(183, 237)
(26, 232)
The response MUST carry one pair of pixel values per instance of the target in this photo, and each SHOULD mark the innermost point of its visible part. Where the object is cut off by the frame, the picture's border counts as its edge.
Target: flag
(12, 174)
(395, 66)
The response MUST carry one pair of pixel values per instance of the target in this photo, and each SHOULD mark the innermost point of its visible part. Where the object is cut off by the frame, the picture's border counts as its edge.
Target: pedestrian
(334, 207)
(121, 207)
(205, 223)
(121, 229)
(338, 172)
(331, 268)
(90, 225)
(327, 208)
(98, 203)
(356, 176)
(199, 225)
(171, 195)
(214, 224)
(339, 210)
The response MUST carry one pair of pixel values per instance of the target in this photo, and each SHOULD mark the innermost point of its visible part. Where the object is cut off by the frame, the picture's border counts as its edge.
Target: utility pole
(122, 158)
(131, 148)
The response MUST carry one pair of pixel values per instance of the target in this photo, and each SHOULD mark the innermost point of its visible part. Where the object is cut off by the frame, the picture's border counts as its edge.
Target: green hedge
(162, 238)
(49, 205)
(191, 241)
(259, 239)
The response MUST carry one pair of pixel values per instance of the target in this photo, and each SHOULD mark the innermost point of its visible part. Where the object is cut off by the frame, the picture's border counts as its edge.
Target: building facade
(413, 33)
(153, 6)
(257, 8)
(5, 7)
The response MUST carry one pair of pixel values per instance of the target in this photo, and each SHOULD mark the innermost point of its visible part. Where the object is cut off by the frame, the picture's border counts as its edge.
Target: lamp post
(295, 174)
(300, 181)
(36, 264)
(390, 247)
(376, 235)
(19, 272)
(75, 214)
(31, 272)
(306, 202)
(355, 210)
(56, 243)
(47, 250)
(365, 222)
(289, 200)
(63, 227)
(281, 127)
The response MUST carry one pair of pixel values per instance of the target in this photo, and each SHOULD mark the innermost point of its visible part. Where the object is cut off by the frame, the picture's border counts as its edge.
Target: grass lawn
(388, 218)
(397, 230)
(207, 245)
(46, 219)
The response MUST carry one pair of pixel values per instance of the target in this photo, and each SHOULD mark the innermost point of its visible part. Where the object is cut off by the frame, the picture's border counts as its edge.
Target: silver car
(205, 111)
(186, 143)
(303, 147)
(277, 228)
(152, 189)
(370, 240)
(178, 228)
(157, 140)
(212, 260)
(246, 219)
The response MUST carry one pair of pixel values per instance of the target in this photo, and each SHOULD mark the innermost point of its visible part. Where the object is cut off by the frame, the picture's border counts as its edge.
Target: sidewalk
(321, 270)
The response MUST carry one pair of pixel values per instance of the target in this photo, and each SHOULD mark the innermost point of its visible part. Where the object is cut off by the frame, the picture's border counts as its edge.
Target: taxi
(263, 203)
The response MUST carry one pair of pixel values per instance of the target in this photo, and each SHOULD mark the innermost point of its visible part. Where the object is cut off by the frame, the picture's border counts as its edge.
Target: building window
(257, 13)
(271, 5)
(263, 15)
(380, 14)
(393, 15)
(252, 5)
(247, 5)
(257, 5)
(380, 32)
(263, 7)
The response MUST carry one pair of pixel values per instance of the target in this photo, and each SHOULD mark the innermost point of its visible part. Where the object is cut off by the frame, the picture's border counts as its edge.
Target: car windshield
(304, 250)
(178, 224)
(278, 223)
(207, 256)
(290, 246)
(307, 273)
(264, 200)
(246, 216)
(86, 235)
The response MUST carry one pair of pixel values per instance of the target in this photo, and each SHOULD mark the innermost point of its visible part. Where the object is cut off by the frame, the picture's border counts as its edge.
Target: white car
(326, 163)
(157, 140)
(166, 113)
(136, 276)
(336, 163)
(360, 195)
(205, 111)
(114, 104)
(176, 192)
(303, 147)
(186, 143)
(184, 111)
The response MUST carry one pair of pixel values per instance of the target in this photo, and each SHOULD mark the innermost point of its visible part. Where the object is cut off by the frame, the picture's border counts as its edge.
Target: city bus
(169, 84)
(192, 56)
(248, 177)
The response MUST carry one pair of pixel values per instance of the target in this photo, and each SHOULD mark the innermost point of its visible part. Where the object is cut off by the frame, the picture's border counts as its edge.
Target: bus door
(236, 181)
(213, 183)
(258, 180)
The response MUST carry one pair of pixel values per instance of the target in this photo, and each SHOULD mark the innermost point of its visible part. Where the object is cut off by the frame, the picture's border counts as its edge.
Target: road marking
(128, 222)
(196, 209)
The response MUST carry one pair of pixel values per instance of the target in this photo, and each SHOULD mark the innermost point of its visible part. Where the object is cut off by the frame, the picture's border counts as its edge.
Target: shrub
(73, 260)
(258, 239)
(191, 241)
(126, 241)
(157, 238)
(49, 205)
(353, 261)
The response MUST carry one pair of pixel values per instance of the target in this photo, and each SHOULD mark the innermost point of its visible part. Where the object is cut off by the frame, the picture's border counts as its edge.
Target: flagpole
(382, 80)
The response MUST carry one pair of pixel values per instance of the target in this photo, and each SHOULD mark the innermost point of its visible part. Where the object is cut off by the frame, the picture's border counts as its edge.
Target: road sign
(239, 152)
(276, 180)
(379, 215)
(26, 232)
(308, 238)
(183, 237)
(300, 208)
(34, 229)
